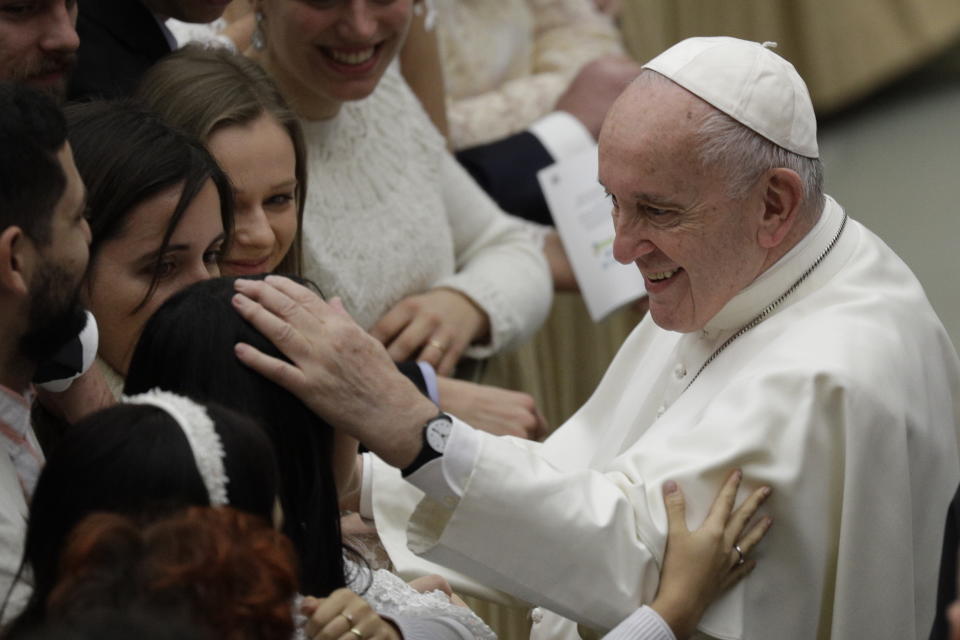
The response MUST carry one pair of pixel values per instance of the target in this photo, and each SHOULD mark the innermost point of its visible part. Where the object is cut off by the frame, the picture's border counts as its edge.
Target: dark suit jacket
(947, 585)
(119, 41)
(507, 171)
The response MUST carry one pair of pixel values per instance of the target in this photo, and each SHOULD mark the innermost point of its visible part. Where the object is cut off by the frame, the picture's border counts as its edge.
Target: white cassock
(845, 400)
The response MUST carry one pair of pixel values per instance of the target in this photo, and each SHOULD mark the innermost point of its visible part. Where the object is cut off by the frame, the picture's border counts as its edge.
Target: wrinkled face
(695, 246)
(124, 267)
(259, 160)
(38, 42)
(188, 10)
(332, 51)
(55, 311)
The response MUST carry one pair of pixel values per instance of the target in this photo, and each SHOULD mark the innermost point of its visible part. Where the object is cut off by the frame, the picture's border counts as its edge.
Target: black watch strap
(427, 452)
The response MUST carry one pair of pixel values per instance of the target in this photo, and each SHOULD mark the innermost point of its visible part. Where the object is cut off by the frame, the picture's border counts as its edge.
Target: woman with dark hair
(148, 458)
(136, 459)
(186, 348)
(160, 213)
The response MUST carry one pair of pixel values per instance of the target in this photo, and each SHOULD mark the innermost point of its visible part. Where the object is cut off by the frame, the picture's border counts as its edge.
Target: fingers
(723, 504)
(343, 615)
(278, 371)
(743, 514)
(676, 508)
(433, 582)
(389, 326)
(451, 355)
(736, 574)
(755, 534)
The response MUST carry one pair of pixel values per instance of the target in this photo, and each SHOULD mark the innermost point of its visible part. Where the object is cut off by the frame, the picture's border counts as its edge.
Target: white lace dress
(420, 616)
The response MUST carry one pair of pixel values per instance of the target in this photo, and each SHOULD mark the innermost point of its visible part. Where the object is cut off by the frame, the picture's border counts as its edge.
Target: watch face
(437, 433)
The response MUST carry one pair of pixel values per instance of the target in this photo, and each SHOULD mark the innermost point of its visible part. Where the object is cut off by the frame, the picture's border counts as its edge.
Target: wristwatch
(436, 432)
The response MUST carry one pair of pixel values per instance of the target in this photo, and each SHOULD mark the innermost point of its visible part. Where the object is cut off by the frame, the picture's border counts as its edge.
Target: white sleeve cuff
(642, 624)
(430, 380)
(445, 478)
(562, 135)
(366, 487)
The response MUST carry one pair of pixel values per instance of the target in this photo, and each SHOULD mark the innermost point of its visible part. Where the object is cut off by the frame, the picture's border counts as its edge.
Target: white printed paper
(581, 214)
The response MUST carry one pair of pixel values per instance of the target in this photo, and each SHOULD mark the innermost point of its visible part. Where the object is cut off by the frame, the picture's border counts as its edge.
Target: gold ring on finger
(356, 632)
(739, 551)
(436, 344)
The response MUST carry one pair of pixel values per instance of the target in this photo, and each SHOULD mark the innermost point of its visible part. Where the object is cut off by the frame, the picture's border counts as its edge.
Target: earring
(258, 40)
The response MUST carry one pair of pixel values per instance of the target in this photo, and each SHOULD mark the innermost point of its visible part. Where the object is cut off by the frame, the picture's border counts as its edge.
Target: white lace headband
(204, 441)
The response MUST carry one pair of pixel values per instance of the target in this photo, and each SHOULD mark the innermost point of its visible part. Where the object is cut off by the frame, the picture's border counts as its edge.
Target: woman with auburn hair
(153, 455)
(231, 572)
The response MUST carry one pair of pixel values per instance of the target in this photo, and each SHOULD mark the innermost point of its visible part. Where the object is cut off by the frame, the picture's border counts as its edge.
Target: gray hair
(744, 155)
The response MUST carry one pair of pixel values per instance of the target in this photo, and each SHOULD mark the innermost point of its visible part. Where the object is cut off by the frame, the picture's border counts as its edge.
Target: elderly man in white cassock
(783, 338)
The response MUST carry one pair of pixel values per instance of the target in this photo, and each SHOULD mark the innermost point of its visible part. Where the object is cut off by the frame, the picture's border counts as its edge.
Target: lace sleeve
(389, 595)
(566, 34)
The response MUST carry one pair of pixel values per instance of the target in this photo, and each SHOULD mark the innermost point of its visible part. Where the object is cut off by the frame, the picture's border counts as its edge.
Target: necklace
(760, 317)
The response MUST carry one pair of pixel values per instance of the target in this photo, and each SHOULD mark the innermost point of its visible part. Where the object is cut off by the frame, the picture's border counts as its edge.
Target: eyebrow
(649, 198)
(289, 184)
(176, 248)
(656, 200)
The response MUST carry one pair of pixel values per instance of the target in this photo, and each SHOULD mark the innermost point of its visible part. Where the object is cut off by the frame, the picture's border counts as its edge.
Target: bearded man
(783, 338)
(44, 248)
(38, 43)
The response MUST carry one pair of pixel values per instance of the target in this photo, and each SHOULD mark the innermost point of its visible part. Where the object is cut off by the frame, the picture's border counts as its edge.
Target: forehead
(648, 140)
(258, 151)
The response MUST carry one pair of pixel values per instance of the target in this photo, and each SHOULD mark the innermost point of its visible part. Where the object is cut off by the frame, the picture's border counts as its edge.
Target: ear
(782, 202)
(17, 253)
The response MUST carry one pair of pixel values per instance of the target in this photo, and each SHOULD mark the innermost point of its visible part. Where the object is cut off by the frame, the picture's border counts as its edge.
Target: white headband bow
(204, 441)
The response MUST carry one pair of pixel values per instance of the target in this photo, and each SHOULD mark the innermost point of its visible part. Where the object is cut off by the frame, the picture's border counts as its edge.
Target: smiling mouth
(659, 276)
(355, 57)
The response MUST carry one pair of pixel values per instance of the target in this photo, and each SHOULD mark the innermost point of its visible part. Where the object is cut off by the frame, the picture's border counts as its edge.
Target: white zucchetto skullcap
(748, 82)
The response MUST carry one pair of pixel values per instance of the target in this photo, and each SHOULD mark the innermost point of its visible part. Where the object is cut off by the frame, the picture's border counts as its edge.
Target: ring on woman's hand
(348, 617)
(356, 632)
(436, 344)
(740, 553)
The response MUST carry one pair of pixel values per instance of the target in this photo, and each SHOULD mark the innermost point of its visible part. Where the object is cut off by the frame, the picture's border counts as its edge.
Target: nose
(60, 33)
(631, 241)
(252, 230)
(359, 21)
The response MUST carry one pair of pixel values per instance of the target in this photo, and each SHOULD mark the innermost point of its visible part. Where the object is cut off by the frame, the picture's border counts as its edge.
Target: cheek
(284, 227)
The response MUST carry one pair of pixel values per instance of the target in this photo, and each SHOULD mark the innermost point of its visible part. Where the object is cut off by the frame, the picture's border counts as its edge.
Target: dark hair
(202, 90)
(32, 132)
(135, 460)
(133, 622)
(127, 155)
(187, 347)
(229, 572)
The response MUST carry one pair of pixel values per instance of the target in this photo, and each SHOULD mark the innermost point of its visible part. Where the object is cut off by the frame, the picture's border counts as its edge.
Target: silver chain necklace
(760, 317)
